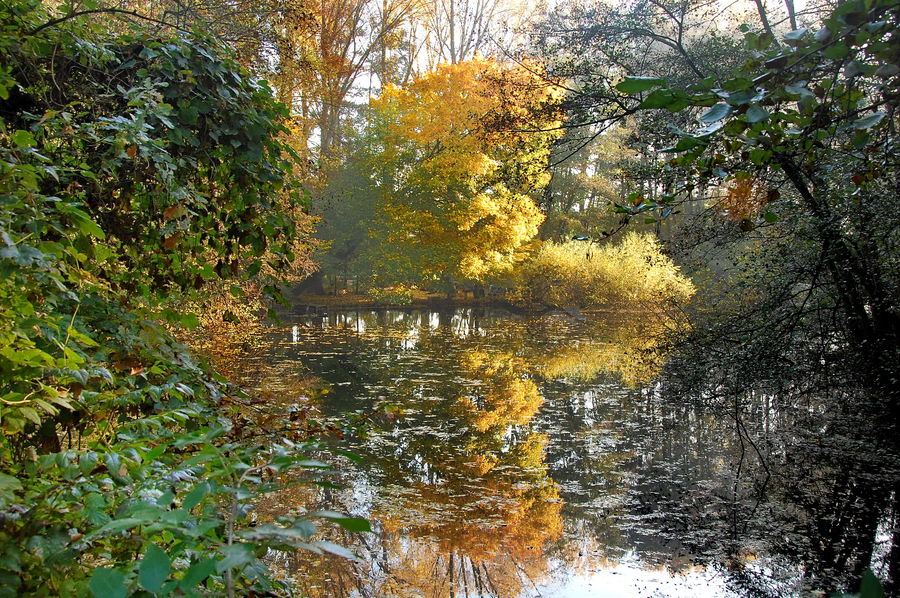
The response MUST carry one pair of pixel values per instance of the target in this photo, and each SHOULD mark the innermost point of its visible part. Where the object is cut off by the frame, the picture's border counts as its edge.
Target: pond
(506, 456)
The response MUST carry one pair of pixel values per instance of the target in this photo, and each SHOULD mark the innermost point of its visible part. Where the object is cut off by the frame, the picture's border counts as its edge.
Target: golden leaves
(630, 272)
(460, 150)
(745, 198)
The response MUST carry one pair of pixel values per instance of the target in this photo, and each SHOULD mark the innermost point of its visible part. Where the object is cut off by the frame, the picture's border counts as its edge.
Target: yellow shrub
(627, 273)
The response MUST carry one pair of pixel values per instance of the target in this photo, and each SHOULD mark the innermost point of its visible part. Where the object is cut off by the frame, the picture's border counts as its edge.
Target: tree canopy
(450, 164)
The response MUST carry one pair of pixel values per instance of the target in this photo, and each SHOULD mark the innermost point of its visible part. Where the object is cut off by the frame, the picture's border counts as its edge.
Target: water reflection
(506, 456)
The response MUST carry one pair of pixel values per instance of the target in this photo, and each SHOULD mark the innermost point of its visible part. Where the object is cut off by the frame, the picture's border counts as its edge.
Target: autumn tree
(452, 162)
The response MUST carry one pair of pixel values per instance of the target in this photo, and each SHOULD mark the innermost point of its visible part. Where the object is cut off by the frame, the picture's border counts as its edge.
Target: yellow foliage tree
(454, 157)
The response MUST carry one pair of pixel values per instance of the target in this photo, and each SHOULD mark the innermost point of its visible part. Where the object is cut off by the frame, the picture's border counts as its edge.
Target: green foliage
(203, 185)
(870, 587)
(792, 107)
(630, 272)
(132, 171)
(638, 84)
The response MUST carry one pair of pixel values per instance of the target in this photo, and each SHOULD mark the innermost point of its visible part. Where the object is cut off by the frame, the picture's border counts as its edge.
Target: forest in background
(173, 165)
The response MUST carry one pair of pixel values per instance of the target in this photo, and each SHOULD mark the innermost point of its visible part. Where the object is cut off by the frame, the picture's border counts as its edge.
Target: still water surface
(504, 456)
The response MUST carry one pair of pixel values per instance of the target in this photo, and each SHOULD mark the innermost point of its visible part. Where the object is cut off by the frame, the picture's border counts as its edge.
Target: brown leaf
(75, 389)
(131, 151)
(172, 241)
(129, 364)
(171, 212)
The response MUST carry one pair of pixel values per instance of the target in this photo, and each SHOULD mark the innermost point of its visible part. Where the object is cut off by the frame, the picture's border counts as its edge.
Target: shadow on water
(510, 456)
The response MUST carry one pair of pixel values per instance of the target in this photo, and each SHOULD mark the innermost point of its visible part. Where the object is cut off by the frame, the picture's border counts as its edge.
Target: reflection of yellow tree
(515, 510)
(509, 397)
(489, 507)
(490, 538)
(477, 519)
(421, 571)
(629, 347)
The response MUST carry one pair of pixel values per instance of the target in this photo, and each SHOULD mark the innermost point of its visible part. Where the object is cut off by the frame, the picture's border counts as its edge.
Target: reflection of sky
(628, 580)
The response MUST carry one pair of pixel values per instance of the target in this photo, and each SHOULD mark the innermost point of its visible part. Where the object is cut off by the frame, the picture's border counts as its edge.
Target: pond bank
(307, 303)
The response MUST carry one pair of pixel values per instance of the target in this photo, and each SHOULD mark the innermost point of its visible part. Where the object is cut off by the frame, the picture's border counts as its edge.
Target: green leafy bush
(133, 171)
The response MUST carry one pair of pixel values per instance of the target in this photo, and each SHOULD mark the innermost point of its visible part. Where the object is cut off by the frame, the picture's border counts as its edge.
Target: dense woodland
(170, 168)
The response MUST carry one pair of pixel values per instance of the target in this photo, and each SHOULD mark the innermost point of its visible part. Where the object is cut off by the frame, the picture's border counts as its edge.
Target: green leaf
(734, 127)
(763, 41)
(235, 555)
(197, 573)
(253, 268)
(870, 586)
(118, 525)
(837, 51)
(868, 121)
(30, 414)
(154, 569)
(633, 85)
(716, 113)
(8, 482)
(107, 583)
(195, 496)
(661, 98)
(759, 155)
(687, 143)
(770, 217)
(352, 524)
(83, 222)
(23, 138)
(796, 34)
(737, 84)
(798, 88)
(305, 527)
(335, 549)
(745, 96)
(352, 456)
(190, 321)
(312, 463)
(756, 113)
